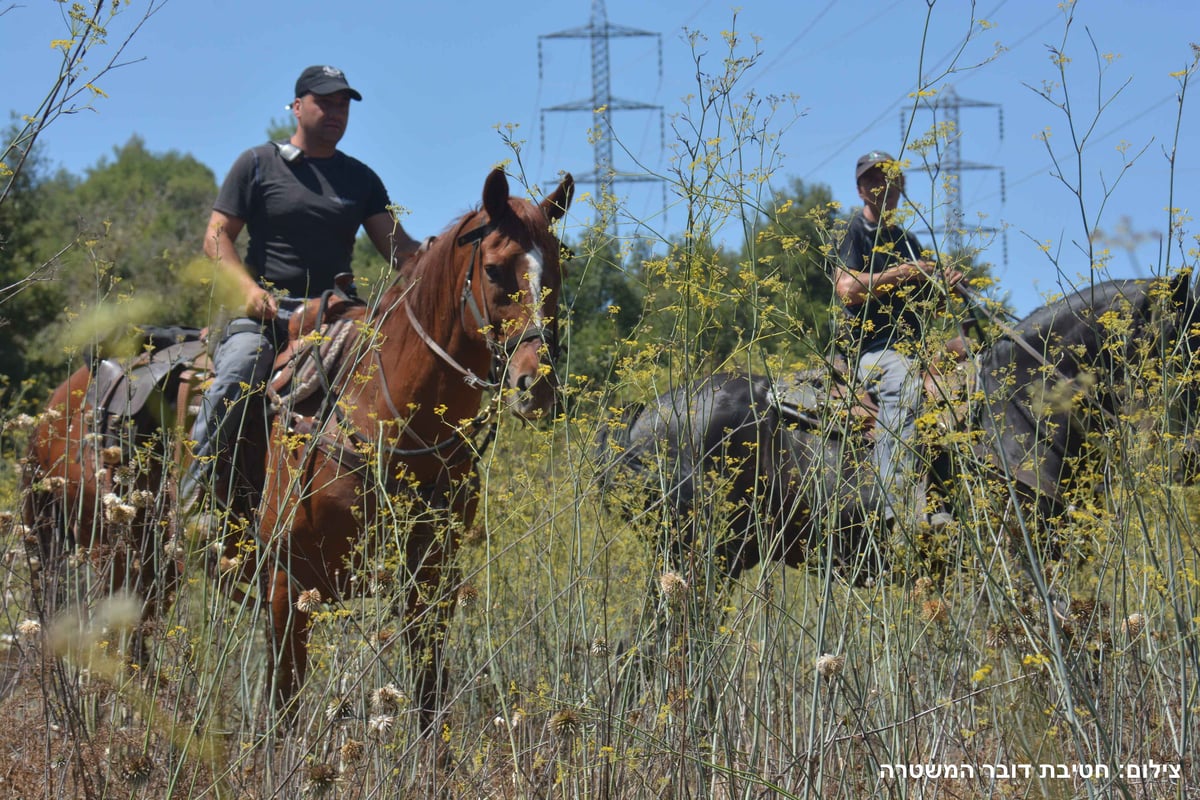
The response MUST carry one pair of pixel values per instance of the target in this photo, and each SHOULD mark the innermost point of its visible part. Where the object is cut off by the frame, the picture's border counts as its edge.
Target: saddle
(176, 363)
(823, 398)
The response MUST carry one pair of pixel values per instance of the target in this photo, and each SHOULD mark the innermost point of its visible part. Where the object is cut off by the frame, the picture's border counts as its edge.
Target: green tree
(136, 221)
(601, 305)
(790, 251)
(29, 295)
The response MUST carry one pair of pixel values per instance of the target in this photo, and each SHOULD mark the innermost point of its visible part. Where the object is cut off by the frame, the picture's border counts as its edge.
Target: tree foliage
(127, 229)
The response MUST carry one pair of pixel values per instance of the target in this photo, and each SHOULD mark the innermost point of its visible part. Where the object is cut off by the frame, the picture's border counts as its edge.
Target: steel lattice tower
(945, 107)
(602, 104)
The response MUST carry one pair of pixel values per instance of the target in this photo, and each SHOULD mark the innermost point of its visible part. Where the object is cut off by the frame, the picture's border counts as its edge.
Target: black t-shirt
(302, 217)
(878, 322)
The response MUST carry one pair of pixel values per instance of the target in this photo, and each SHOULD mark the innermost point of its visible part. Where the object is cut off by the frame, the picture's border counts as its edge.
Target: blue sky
(438, 79)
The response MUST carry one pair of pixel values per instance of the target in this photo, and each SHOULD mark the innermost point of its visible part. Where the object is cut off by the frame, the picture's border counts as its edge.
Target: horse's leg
(287, 661)
(44, 516)
(427, 616)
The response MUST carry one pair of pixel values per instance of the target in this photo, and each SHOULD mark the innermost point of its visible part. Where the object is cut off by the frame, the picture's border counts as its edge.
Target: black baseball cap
(324, 80)
(870, 161)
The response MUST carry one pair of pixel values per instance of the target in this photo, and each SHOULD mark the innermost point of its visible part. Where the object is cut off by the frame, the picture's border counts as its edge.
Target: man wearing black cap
(883, 279)
(302, 201)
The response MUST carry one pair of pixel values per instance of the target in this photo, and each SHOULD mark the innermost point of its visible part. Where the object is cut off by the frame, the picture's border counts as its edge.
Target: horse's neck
(404, 377)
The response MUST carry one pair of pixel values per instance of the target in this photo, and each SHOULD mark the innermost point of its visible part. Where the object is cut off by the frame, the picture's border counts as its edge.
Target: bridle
(501, 351)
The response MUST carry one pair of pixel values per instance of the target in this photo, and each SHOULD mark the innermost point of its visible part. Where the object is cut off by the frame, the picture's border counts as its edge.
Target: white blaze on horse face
(534, 264)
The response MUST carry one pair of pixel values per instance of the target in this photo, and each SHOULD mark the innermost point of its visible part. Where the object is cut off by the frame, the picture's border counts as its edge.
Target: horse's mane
(425, 290)
(1084, 304)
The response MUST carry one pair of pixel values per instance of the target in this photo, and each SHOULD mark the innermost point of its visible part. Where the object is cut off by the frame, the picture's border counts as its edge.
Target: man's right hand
(261, 304)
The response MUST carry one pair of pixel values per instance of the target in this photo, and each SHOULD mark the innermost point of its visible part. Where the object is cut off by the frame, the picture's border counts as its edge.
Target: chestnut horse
(94, 483)
(475, 311)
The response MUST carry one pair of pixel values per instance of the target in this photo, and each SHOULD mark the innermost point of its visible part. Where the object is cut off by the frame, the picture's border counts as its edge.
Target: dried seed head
(227, 564)
(120, 513)
(339, 710)
(1134, 624)
(352, 751)
(566, 723)
(997, 636)
(55, 483)
(111, 455)
(29, 629)
(321, 779)
(382, 580)
(142, 498)
(830, 666)
(673, 585)
(174, 548)
(309, 601)
(388, 700)
(381, 724)
(468, 595)
(136, 769)
(599, 647)
(21, 422)
(922, 587)
(935, 610)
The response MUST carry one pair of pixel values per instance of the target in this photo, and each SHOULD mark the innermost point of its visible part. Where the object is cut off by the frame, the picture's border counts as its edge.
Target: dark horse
(394, 455)
(790, 475)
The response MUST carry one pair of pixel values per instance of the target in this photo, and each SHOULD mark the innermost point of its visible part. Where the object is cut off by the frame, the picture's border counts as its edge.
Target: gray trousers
(899, 392)
(241, 366)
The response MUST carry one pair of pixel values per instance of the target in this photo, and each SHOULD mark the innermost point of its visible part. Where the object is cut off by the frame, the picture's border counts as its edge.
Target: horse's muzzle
(530, 381)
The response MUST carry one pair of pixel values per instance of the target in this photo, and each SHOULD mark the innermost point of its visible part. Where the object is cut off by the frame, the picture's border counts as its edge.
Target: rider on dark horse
(302, 201)
(886, 283)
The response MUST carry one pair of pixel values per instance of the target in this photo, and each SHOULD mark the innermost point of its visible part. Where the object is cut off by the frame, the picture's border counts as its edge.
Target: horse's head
(512, 287)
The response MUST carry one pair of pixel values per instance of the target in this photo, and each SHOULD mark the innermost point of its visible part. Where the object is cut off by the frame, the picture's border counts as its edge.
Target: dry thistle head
(120, 513)
(29, 629)
(321, 779)
(935, 610)
(673, 586)
(174, 548)
(565, 724)
(388, 700)
(997, 636)
(922, 587)
(381, 724)
(136, 769)
(352, 751)
(339, 709)
(309, 601)
(1134, 624)
(111, 455)
(468, 595)
(599, 647)
(830, 666)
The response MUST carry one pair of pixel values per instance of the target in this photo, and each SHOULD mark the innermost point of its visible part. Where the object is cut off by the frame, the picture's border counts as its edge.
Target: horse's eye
(494, 273)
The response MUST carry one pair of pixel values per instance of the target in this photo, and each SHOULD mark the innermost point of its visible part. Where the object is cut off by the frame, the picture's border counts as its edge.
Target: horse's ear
(557, 203)
(495, 194)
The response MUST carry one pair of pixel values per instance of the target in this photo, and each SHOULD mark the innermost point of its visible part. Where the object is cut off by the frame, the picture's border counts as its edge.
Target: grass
(582, 666)
(580, 671)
